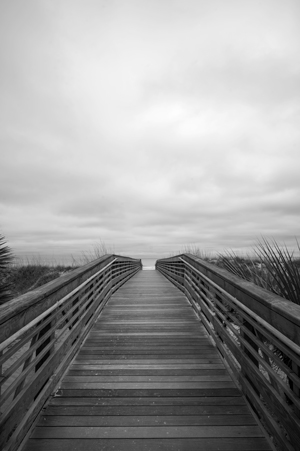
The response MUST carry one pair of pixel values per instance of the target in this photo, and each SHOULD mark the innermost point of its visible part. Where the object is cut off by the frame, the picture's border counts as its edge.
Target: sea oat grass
(28, 276)
(6, 258)
(275, 268)
(271, 266)
(284, 268)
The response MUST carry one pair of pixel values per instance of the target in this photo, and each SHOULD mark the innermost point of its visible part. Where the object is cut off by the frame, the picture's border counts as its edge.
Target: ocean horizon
(148, 263)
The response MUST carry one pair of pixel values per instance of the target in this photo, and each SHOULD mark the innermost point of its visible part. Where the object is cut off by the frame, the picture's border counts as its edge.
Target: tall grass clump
(6, 258)
(271, 266)
(30, 275)
(283, 267)
(247, 268)
(193, 249)
(18, 276)
(99, 250)
(275, 268)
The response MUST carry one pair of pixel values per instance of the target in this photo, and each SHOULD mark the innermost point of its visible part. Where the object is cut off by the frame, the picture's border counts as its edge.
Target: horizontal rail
(256, 317)
(53, 321)
(39, 318)
(256, 332)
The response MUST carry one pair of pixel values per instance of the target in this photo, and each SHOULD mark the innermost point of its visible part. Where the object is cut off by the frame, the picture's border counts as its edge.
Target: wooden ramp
(147, 379)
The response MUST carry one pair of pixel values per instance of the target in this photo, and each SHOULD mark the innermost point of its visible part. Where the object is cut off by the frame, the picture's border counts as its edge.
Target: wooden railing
(40, 333)
(258, 335)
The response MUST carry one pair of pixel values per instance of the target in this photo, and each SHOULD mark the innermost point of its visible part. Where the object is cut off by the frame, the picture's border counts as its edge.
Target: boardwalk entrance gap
(181, 358)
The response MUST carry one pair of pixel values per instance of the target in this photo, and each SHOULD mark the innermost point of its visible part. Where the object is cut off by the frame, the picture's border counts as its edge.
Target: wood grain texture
(147, 378)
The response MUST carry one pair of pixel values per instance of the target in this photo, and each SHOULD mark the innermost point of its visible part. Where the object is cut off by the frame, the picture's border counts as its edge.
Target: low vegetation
(18, 277)
(271, 266)
(99, 249)
(27, 277)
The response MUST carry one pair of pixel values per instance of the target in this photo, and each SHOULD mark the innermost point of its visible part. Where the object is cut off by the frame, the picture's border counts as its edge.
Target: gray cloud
(149, 125)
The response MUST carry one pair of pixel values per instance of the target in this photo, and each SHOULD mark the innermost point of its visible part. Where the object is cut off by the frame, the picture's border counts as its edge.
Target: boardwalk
(147, 378)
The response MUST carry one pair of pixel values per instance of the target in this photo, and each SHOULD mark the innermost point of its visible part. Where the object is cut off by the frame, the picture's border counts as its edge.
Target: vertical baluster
(250, 356)
(1, 371)
(25, 365)
(295, 388)
(44, 344)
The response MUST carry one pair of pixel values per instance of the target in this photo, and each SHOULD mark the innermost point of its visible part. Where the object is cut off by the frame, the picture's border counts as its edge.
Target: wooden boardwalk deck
(147, 378)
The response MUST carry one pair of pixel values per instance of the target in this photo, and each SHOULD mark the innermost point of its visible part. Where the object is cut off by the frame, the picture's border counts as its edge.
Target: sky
(148, 125)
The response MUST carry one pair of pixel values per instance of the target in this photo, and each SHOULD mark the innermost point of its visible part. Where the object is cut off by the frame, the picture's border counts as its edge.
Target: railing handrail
(25, 302)
(40, 333)
(259, 319)
(269, 306)
(32, 323)
(257, 334)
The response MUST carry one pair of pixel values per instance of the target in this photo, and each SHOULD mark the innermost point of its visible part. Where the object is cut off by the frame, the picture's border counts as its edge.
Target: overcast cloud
(149, 125)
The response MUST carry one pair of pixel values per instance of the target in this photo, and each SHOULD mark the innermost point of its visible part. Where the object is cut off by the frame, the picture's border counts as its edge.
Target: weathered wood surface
(147, 378)
(256, 332)
(56, 320)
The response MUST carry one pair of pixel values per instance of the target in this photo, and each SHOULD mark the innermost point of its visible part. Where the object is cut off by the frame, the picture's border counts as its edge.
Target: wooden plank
(145, 341)
(226, 401)
(140, 410)
(142, 361)
(178, 444)
(148, 392)
(146, 346)
(143, 420)
(126, 365)
(147, 432)
(137, 359)
(147, 372)
(184, 385)
(143, 351)
(133, 379)
(146, 333)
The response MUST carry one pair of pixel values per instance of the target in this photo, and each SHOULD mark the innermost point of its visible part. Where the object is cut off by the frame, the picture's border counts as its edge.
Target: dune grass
(27, 277)
(272, 266)
(195, 250)
(283, 269)
(99, 249)
(6, 258)
(18, 276)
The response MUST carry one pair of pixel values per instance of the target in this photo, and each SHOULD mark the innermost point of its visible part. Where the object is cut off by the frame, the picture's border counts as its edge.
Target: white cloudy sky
(149, 124)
